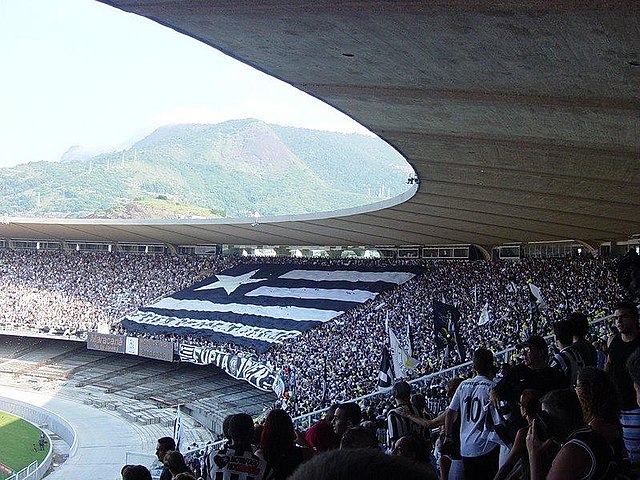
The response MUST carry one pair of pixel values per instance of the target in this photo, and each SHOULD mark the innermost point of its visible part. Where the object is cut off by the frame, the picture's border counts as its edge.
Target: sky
(78, 72)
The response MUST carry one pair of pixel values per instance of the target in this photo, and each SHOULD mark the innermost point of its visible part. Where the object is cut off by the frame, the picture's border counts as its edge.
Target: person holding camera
(584, 453)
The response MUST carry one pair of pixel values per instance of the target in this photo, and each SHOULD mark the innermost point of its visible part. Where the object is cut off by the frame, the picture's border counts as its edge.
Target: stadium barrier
(305, 421)
(41, 416)
(28, 473)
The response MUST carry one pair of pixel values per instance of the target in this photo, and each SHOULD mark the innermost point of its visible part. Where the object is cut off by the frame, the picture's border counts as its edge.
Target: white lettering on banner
(269, 335)
(256, 373)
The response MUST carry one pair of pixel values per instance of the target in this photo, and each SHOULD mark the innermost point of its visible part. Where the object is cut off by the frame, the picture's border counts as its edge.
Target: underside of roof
(521, 119)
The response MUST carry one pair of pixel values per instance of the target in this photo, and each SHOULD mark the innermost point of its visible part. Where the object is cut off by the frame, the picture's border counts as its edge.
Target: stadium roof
(521, 119)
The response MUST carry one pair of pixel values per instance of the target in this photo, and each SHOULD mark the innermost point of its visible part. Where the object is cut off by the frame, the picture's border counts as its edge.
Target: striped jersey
(569, 362)
(231, 463)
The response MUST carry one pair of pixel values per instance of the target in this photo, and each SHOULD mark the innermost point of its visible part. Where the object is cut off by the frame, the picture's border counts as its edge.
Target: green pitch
(17, 438)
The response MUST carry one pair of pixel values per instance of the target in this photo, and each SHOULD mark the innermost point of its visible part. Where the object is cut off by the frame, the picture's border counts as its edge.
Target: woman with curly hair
(600, 402)
(277, 445)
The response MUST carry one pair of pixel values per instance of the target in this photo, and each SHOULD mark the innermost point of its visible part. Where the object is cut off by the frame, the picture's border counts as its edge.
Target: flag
(278, 386)
(402, 361)
(386, 374)
(178, 429)
(536, 305)
(446, 319)
(257, 306)
(536, 297)
(484, 315)
(410, 337)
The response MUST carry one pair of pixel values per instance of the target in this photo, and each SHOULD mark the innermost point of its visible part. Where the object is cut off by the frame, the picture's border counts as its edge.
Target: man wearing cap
(535, 374)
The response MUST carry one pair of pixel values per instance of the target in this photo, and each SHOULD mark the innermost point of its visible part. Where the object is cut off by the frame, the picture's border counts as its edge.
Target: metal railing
(306, 420)
(27, 473)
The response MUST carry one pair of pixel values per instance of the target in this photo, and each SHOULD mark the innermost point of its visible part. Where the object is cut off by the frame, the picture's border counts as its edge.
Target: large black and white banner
(260, 305)
(256, 373)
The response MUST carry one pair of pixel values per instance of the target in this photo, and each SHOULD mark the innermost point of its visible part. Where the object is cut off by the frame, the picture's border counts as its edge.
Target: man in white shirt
(470, 402)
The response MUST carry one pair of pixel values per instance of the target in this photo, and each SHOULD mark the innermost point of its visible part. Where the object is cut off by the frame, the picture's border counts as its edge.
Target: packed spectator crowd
(544, 408)
(549, 417)
(73, 292)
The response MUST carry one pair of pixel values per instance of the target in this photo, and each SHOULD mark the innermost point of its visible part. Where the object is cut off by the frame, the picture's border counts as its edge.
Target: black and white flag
(263, 304)
(386, 375)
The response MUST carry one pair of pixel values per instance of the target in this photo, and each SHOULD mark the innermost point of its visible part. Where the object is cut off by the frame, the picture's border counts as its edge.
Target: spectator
(568, 359)
(584, 453)
(321, 437)
(164, 445)
(534, 374)
(601, 406)
(620, 348)
(174, 461)
(470, 402)
(184, 476)
(135, 472)
(359, 437)
(414, 448)
(633, 367)
(361, 464)
(277, 445)
(397, 424)
(580, 331)
(516, 465)
(347, 415)
(236, 459)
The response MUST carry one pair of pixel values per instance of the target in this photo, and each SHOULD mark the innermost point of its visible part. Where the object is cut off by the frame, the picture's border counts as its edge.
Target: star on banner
(231, 283)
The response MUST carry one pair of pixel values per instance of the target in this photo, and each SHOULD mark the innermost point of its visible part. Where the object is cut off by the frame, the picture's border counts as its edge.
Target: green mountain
(232, 169)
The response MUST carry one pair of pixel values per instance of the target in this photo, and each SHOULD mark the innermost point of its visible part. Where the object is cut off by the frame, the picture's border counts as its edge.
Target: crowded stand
(547, 393)
(78, 292)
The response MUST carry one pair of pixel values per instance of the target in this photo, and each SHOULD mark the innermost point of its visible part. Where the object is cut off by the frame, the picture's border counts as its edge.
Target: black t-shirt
(587, 351)
(519, 378)
(619, 352)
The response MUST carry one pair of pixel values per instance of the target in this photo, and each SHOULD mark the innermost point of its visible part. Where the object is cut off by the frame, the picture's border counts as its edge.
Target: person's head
(563, 331)
(626, 317)
(241, 429)
(225, 426)
(633, 367)
(184, 476)
(580, 324)
(483, 362)
(565, 412)
(278, 435)
(361, 464)
(418, 401)
(164, 445)
(412, 447)
(535, 351)
(401, 392)
(174, 461)
(529, 404)
(598, 395)
(135, 472)
(347, 415)
(359, 437)
(321, 436)
(331, 411)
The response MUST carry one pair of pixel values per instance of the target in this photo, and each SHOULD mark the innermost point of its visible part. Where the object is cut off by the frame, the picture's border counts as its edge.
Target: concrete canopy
(521, 119)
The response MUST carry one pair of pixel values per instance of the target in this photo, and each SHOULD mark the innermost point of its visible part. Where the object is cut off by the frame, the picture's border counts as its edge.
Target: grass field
(16, 443)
